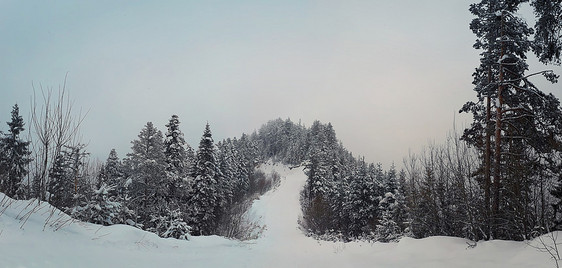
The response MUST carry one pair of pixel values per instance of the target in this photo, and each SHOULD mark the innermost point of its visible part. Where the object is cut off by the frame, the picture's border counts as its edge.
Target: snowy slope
(66, 243)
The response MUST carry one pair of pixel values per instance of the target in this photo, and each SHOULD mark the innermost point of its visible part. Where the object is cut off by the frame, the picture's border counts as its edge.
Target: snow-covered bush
(171, 224)
(101, 209)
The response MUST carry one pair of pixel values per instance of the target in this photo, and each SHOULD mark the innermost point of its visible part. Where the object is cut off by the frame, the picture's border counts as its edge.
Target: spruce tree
(61, 185)
(362, 202)
(147, 173)
(228, 166)
(177, 159)
(101, 208)
(14, 157)
(205, 195)
(113, 169)
(387, 228)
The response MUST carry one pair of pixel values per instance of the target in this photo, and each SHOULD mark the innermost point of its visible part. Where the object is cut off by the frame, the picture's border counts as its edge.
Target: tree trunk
(488, 165)
(497, 153)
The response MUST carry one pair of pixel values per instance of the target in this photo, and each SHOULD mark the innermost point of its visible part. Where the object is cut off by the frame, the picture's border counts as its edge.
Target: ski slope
(48, 238)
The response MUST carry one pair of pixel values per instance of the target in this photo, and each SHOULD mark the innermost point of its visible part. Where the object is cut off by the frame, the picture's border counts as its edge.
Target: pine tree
(515, 124)
(205, 195)
(547, 42)
(14, 157)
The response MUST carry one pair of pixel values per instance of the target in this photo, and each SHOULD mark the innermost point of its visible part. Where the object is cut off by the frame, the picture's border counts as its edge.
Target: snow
(504, 57)
(49, 238)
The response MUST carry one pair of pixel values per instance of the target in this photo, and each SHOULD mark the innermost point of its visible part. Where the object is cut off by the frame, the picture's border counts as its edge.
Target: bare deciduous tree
(54, 126)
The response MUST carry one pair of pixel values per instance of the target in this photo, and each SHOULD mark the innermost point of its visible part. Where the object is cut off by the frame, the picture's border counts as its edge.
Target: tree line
(163, 185)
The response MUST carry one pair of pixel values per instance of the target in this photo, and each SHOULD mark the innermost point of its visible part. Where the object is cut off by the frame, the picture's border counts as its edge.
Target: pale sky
(389, 75)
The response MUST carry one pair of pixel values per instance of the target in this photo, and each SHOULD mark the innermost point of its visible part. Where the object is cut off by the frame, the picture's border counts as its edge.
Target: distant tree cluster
(344, 197)
(166, 187)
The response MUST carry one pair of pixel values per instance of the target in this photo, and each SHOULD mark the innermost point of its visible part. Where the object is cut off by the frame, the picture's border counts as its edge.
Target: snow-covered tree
(387, 229)
(14, 157)
(361, 203)
(228, 165)
(61, 183)
(515, 124)
(205, 195)
(170, 224)
(249, 157)
(66, 185)
(114, 170)
(103, 209)
(320, 159)
(146, 164)
(178, 155)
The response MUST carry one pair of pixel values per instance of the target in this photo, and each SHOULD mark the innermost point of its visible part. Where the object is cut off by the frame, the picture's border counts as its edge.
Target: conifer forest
(499, 177)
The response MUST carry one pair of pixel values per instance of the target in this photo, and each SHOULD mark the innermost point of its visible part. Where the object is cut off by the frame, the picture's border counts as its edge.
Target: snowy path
(281, 245)
(280, 208)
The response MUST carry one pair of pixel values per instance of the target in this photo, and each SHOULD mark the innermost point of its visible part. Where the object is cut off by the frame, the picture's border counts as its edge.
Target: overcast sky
(389, 75)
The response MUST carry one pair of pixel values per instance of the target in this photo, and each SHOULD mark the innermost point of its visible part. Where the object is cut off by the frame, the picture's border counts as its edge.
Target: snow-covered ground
(47, 238)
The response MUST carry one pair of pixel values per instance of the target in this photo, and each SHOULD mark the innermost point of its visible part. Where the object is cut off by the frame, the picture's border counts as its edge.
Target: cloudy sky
(389, 75)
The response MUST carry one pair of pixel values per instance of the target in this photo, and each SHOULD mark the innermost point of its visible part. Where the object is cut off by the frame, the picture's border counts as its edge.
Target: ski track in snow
(282, 244)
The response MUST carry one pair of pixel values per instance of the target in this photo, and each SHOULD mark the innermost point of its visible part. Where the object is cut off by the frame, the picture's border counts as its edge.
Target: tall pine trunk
(497, 153)
(488, 164)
